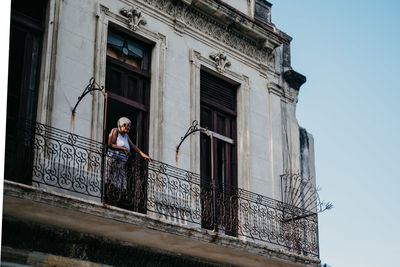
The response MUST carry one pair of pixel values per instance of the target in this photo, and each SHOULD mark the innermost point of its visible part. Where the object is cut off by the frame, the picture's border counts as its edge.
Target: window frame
(200, 62)
(140, 130)
(107, 19)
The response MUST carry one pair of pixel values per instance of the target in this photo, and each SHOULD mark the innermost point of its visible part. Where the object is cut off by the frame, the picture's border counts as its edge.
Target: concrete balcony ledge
(31, 204)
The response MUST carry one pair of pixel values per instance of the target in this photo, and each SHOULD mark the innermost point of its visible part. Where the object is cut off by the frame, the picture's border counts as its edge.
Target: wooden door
(128, 96)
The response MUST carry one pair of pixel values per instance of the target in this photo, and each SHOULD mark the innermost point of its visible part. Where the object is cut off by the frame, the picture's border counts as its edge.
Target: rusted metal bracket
(192, 129)
(92, 86)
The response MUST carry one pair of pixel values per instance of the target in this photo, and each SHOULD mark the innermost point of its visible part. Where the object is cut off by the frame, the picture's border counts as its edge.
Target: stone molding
(46, 88)
(134, 15)
(198, 62)
(275, 89)
(185, 16)
(283, 92)
(221, 61)
(294, 79)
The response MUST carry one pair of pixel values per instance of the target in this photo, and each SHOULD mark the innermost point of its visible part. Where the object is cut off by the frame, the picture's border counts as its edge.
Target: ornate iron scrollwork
(194, 127)
(300, 197)
(92, 86)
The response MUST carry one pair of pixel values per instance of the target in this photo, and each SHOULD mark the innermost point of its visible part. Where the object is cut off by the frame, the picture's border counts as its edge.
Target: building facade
(212, 98)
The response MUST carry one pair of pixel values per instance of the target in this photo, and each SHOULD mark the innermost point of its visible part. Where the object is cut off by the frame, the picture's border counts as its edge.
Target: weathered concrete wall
(244, 6)
(307, 161)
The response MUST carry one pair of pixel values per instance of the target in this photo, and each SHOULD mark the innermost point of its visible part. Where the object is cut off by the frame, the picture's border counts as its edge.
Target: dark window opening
(33, 11)
(26, 33)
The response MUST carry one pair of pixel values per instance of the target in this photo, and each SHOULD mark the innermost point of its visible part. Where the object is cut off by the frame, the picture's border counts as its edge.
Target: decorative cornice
(186, 16)
(198, 60)
(221, 60)
(294, 79)
(124, 21)
(134, 15)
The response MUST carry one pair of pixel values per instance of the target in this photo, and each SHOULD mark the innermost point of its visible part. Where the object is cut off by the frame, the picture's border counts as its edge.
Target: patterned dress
(116, 163)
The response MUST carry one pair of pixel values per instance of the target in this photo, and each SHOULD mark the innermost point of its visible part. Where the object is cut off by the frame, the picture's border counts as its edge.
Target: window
(26, 32)
(218, 160)
(128, 88)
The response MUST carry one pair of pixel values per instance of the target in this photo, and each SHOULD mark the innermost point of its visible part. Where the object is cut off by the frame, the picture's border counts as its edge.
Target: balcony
(55, 162)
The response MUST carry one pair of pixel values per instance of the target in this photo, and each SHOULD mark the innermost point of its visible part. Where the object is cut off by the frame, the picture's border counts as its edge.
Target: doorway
(218, 160)
(128, 88)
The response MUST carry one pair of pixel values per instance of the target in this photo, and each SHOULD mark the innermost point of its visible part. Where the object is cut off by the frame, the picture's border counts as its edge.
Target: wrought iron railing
(62, 161)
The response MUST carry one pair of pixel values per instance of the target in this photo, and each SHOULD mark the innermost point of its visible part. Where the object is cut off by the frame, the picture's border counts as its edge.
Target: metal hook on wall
(194, 127)
(92, 86)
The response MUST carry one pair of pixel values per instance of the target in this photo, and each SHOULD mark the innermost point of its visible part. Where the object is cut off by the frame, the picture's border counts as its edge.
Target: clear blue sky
(349, 51)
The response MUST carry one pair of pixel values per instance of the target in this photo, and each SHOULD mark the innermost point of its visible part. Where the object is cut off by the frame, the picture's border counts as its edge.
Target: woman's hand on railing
(146, 157)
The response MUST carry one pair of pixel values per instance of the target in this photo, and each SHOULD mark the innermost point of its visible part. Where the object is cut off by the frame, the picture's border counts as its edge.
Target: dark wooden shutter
(220, 92)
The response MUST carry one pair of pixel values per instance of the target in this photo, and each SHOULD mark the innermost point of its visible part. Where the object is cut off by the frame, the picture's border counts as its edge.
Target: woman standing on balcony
(120, 146)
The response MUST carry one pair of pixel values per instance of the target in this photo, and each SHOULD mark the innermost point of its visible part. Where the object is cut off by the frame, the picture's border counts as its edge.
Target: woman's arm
(140, 152)
(112, 139)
